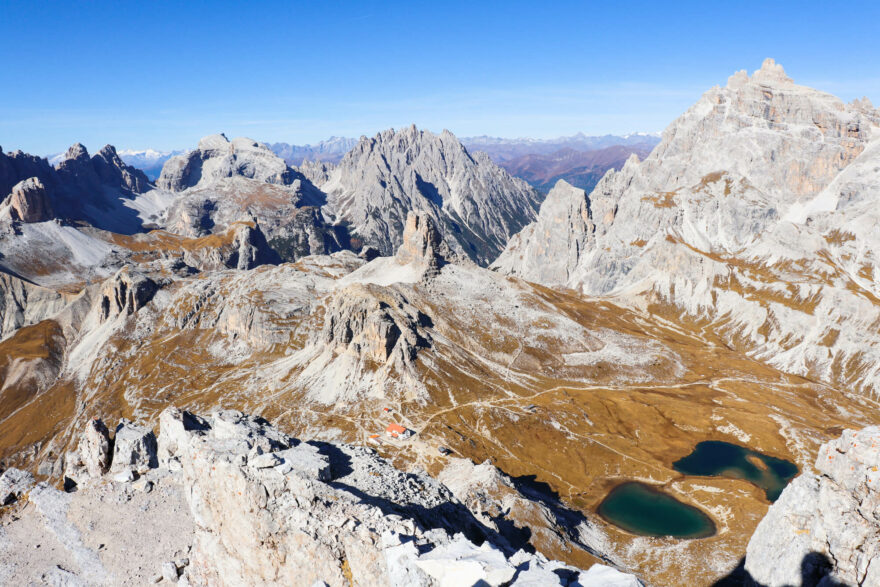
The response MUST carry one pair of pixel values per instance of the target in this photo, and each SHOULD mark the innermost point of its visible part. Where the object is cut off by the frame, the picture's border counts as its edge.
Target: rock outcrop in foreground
(264, 509)
(825, 528)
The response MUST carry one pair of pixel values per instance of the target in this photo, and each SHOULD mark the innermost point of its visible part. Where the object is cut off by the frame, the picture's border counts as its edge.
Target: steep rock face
(825, 525)
(378, 328)
(217, 157)
(242, 246)
(422, 244)
(134, 447)
(549, 249)
(476, 205)
(112, 170)
(77, 175)
(725, 171)
(126, 293)
(92, 457)
(22, 304)
(29, 202)
(18, 166)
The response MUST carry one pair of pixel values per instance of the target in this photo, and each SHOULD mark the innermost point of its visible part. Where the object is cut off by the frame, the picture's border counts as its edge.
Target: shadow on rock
(449, 515)
(815, 572)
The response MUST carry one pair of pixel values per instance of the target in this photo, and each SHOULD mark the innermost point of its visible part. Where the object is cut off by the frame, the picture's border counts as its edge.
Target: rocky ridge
(332, 512)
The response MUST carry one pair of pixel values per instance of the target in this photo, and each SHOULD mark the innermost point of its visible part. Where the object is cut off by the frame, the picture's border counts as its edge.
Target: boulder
(175, 426)
(94, 452)
(134, 447)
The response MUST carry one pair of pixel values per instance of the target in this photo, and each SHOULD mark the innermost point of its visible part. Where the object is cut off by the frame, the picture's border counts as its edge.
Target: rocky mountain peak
(549, 250)
(77, 151)
(771, 72)
(476, 205)
(211, 142)
(217, 157)
(113, 171)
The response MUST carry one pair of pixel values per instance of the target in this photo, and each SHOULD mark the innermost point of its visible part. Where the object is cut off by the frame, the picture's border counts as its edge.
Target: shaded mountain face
(476, 205)
(81, 188)
(751, 218)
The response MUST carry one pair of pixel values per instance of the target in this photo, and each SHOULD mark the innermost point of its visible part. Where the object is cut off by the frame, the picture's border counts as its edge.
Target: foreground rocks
(330, 512)
(825, 528)
(263, 508)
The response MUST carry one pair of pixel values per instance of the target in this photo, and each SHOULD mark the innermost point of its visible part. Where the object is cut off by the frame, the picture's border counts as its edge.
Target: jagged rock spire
(421, 243)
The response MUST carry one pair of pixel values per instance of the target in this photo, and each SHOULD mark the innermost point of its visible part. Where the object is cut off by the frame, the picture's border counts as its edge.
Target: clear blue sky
(162, 74)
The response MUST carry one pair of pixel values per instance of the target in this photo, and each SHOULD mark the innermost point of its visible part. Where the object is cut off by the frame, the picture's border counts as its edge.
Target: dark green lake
(642, 509)
(722, 459)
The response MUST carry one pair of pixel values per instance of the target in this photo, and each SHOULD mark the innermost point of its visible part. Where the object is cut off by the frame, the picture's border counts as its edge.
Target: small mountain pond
(642, 509)
(646, 510)
(714, 458)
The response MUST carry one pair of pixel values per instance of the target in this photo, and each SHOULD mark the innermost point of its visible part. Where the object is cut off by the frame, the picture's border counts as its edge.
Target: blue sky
(163, 74)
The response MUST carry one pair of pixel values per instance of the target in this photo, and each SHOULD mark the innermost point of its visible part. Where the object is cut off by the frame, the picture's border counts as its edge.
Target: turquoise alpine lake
(722, 459)
(642, 509)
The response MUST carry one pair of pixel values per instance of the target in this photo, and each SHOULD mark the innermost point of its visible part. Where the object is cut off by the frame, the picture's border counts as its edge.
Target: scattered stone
(13, 484)
(143, 485)
(264, 461)
(125, 476)
(306, 461)
(169, 572)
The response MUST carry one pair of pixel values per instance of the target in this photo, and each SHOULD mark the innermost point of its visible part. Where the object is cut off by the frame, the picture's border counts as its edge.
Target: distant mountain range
(579, 159)
(330, 151)
(504, 150)
(150, 161)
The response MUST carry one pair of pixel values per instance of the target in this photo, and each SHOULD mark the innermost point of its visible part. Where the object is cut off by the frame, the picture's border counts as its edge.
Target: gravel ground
(105, 533)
